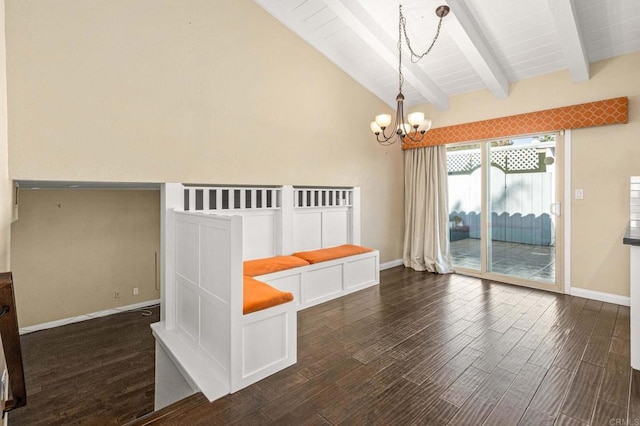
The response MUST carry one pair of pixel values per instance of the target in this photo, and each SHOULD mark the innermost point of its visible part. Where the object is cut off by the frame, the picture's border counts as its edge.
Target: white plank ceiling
(483, 43)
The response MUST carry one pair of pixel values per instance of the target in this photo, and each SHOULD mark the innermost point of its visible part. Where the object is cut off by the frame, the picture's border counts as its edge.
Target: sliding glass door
(504, 210)
(465, 205)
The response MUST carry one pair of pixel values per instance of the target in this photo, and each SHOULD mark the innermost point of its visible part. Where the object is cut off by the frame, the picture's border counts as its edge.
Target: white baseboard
(600, 296)
(65, 321)
(392, 264)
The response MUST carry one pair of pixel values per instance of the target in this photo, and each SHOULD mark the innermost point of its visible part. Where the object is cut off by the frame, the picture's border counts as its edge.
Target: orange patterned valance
(611, 111)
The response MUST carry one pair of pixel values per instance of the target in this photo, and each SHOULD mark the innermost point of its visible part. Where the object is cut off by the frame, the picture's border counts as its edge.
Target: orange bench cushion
(322, 255)
(258, 296)
(253, 268)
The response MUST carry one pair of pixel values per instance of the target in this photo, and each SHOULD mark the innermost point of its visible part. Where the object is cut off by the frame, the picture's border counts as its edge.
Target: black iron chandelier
(412, 129)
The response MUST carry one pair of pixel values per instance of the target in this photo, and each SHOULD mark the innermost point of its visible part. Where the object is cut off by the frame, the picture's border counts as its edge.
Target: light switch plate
(579, 194)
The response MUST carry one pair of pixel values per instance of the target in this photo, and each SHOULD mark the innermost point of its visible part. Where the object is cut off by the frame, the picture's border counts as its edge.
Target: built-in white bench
(321, 282)
(204, 342)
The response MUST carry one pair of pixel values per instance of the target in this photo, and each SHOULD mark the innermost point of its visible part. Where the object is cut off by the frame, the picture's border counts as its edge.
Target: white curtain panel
(426, 210)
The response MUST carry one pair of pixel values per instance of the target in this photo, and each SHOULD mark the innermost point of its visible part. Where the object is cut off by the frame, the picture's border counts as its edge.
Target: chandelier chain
(406, 131)
(415, 57)
(400, 76)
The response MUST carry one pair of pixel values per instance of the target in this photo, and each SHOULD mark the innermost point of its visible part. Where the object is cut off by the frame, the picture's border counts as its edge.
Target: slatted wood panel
(322, 197)
(222, 199)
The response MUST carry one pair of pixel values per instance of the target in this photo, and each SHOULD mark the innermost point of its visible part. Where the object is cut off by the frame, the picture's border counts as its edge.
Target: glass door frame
(485, 219)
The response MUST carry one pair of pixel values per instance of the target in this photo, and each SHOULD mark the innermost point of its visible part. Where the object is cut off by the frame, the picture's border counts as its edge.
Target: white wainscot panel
(264, 342)
(187, 251)
(215, 265)
(258, 236)
(307, 231)
(334, 228)
(323, 282)
(290, 284)
(359, 272)
(214, 330)
(187, 304)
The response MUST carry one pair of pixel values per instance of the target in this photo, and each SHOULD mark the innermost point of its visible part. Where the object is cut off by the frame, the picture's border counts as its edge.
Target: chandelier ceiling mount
(412, 129)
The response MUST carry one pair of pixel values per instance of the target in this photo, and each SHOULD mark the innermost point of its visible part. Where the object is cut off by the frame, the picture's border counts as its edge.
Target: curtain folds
(426, 239)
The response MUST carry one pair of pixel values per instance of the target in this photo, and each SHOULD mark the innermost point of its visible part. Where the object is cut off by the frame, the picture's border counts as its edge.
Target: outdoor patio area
(531, 262)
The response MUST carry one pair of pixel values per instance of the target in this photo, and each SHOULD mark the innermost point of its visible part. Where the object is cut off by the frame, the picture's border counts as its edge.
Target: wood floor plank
(607, 413)
(348, 404)
(309, 411)
(485, 341)
(549, 396)
(437, 414)
(597, 349)
(495, 354)
(464, 386)
(568, 421)
(546, 352)
(581, 399)
(620, 343)
(516, 359)
(479, 405)
(448, 374)
(297, 396)
(586, 321)
(534, 417)
(505, 323)
(572, 351)
(535, 335)
(606, 320)
(402, 403)
(427, 367)
(515, 401)
(615, 380)
(593, 305)
(531, 317)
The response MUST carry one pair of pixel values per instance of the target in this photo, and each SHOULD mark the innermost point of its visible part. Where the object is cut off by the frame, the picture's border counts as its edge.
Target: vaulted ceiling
(483, 43)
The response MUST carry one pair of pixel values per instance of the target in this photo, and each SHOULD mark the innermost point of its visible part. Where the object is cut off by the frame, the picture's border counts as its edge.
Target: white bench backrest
(260, 208)
(283, 220)
(208, 284)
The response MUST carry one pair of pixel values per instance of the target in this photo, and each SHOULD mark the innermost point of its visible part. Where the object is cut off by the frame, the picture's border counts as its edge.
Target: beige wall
(603, 158)
(72, 249)
(219, 91)
(5, 183)
(190, 91)
(6, 199)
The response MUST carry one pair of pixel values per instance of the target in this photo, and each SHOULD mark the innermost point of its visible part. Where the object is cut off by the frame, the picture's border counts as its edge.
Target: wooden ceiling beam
(463, 30)
(365, 26)
(566, 21)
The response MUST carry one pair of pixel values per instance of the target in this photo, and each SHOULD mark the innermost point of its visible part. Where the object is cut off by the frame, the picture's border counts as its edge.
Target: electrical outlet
(116, 294)
(135, 291)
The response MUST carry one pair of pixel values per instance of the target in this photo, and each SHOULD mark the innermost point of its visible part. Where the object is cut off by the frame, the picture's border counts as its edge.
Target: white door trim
(568, 195)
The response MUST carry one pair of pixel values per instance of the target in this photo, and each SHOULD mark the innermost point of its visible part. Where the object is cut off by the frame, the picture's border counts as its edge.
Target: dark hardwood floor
(431, 350)
(418, 349)
(99, 371)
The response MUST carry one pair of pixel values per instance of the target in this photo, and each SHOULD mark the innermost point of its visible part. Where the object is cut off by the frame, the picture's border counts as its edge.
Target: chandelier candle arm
(412, 129)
